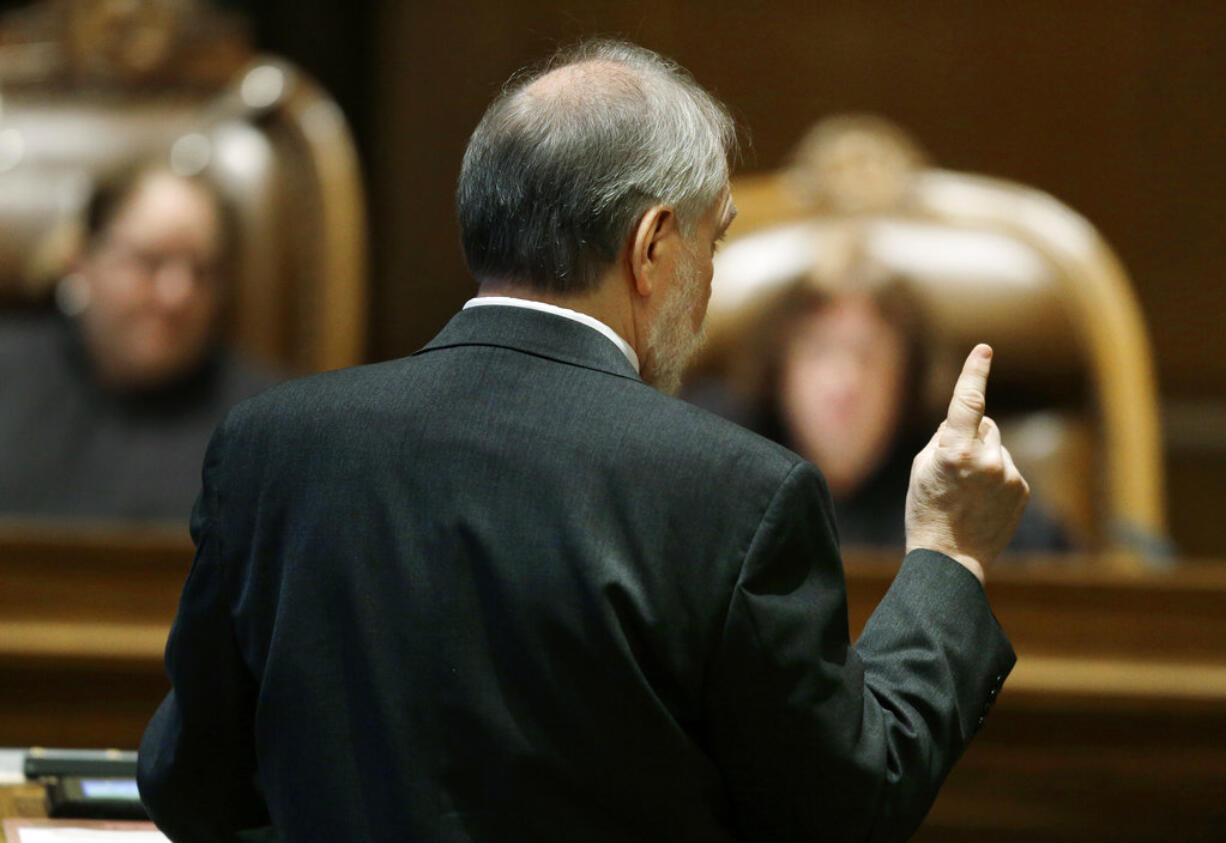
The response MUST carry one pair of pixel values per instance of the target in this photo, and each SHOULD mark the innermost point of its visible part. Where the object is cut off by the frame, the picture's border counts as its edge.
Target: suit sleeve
(818, 739)
(196, 766)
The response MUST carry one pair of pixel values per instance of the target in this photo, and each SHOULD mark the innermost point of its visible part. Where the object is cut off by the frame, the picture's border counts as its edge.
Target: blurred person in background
(834, 366)
(107, 405)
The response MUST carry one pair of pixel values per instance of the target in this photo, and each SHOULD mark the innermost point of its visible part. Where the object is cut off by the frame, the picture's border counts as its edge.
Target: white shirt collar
(566, 313)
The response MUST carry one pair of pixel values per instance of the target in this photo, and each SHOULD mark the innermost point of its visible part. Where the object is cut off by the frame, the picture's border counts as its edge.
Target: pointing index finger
(969, 401)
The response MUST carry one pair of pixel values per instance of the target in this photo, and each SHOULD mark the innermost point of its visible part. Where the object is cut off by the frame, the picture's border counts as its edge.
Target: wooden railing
(84, 614)
(1112, 726)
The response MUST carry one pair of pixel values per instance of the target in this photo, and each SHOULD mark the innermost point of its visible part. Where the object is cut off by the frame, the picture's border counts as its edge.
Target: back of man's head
(568, 158)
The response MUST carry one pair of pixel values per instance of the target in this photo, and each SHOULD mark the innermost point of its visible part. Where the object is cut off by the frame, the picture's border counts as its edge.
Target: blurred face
(679, 327)
(841, 383)
(154, 294)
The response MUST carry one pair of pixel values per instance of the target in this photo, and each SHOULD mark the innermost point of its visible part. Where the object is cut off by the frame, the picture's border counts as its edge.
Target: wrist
(969, 562)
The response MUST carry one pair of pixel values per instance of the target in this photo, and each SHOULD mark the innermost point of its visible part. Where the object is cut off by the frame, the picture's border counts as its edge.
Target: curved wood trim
(1100, 293)
(1100, 297)
(335, 320)
(339, 319)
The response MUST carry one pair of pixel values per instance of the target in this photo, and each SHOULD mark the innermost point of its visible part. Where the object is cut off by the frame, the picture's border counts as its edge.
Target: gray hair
(553, 183)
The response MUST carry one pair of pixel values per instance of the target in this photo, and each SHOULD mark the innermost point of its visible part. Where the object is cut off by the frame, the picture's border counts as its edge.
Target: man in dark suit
(506, 590)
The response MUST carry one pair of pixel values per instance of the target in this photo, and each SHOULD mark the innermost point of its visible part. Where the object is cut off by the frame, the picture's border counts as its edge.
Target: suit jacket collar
(533, 332)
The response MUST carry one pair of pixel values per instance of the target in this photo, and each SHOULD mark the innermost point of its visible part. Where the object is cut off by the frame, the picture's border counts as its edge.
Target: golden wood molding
(120, 43)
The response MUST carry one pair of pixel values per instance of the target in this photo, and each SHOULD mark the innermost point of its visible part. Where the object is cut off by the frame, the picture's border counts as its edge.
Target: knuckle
(993, 470)
(962, 456)
(973, 400)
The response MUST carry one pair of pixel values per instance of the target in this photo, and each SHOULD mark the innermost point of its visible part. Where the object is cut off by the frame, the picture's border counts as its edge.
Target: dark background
(1117, 107)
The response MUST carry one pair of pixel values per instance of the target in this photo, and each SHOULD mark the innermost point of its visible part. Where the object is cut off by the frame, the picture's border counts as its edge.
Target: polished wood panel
(1112, 725)
(84, 613)
(24, 801)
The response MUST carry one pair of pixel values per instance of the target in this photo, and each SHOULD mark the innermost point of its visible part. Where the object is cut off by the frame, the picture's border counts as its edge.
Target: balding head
(570, 156)
(570, 84)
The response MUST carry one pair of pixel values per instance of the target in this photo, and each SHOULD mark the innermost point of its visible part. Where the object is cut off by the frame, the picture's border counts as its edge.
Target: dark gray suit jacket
(503, 590)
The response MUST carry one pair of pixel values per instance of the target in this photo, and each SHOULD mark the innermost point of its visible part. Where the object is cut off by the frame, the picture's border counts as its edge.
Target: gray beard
(671, 339)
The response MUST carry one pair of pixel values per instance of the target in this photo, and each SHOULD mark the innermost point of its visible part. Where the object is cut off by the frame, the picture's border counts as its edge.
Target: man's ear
(649, 246)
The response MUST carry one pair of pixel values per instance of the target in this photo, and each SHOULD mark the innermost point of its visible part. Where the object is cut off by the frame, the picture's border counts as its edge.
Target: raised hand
(966, 495)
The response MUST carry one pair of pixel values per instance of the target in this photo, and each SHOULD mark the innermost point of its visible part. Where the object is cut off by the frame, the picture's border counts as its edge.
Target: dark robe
(70, 448)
